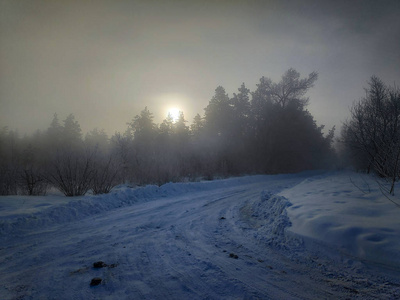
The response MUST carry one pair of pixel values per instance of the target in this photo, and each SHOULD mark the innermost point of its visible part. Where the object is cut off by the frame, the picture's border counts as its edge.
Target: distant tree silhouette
(166, 160)
(106, 165)
(241, 111)
(97, 139)
(240, 131)
(144, 132)
(268, 130)
(197, 125)
(124, 154)
(291, 89)
(9, 161)
(143, 127)
(54, 133)
(32, 166)
(218, 120)
(197, 145)
(218, 114)
(71, 132)
(70, 167)
(285, 137)
(181, 141)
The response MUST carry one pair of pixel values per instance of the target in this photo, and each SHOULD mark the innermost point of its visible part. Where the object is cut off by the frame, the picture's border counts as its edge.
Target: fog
(105, 61)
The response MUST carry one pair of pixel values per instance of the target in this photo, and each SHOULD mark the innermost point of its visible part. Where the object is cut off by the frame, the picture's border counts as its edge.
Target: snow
(349, 212)
(313, 235)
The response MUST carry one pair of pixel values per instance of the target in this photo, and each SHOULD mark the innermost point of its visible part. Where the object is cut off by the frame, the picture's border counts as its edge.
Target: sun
(174, 113)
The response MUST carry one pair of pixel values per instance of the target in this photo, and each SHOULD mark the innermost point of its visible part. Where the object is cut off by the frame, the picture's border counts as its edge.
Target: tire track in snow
(170, 248)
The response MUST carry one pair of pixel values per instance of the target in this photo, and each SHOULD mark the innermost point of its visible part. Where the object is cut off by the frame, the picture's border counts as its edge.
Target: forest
(266, 131)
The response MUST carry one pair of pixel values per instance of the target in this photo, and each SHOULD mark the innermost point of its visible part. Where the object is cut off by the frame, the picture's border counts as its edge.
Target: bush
(72, 172)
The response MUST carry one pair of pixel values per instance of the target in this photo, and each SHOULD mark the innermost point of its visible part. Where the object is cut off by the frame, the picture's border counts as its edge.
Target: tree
(71, 172)
(241, 110)
(97, 139)
(32, 166)
(106, 165)
(372, 135)
(124, 155)
(197, 125)
(218, 127)
(70, 166)
(54, 132)
(142, 126)
(218, 113)
(197, 144)
(10, 155)
(291, 89)
(265, 131)
(180, 128)
(71, 132)
(171, 150)
(144, 132)
(105, 171)
(166, 165)
(167, 125)
(260, 105)
(285, 137)
(180, 140)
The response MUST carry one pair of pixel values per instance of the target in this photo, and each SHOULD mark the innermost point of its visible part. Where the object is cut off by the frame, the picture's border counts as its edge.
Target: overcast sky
(104, 61)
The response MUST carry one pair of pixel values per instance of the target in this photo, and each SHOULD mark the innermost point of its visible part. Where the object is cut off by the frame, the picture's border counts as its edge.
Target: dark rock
(95, 281)
(232, 255)
(99, 264)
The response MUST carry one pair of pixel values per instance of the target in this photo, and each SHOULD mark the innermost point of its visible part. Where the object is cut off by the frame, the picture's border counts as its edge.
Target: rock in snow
(95, 281)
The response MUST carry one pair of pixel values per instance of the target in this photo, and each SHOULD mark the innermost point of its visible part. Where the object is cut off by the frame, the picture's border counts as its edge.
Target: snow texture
(347, 211)
(313, 235)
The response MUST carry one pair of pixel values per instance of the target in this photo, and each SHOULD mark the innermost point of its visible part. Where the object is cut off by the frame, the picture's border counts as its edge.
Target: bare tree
(372, 135)
(72, 172)
(33, 182)
(104, 175)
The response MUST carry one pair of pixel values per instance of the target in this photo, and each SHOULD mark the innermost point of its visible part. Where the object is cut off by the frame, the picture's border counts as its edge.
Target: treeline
(265, 131)
(372, 134)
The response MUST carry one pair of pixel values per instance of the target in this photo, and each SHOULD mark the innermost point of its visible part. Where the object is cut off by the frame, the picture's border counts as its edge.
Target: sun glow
(174, 113)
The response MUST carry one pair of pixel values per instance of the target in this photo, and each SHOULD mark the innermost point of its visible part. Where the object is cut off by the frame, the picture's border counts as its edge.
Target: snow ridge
(123, 196)
(269, 216)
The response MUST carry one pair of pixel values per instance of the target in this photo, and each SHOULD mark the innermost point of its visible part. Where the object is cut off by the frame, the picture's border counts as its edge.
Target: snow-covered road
(224, 242)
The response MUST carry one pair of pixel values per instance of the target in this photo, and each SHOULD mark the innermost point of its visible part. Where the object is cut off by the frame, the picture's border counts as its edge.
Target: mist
(105, 62)
(159, 91)
(268, 130)
(199, 149)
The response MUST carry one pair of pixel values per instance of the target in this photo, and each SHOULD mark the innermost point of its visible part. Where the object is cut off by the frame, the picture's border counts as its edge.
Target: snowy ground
(312, 235)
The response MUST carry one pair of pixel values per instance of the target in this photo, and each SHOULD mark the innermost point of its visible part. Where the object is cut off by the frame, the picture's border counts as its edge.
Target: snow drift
(347, 212)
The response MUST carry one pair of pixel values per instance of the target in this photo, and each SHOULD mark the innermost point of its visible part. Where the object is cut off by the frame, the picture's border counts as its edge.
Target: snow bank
(21, 213)
(271, 212)
(348, 212)
(343, 210)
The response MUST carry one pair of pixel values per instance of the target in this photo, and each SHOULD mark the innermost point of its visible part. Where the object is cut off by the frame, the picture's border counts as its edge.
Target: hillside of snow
(313, 235)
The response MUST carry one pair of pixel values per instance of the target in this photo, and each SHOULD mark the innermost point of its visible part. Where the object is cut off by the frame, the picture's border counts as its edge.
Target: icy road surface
(227, 241)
